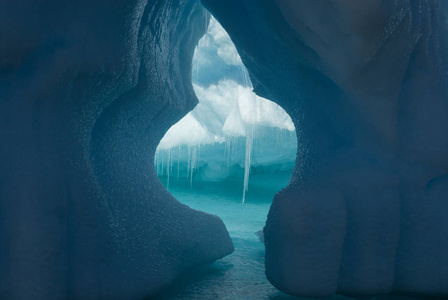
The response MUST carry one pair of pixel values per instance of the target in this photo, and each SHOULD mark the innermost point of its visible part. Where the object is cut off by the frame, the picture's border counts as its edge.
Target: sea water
(239, 275)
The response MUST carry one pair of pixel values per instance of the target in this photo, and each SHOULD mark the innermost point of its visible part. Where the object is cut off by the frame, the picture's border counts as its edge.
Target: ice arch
(231, 131)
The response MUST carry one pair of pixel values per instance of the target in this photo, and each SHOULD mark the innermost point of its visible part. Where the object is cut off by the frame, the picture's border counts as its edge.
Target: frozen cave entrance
(228, 157)
(233, 136)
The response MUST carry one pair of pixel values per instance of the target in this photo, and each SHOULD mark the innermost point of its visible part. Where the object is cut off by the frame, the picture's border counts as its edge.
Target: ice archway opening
(233, 148)
(232, 133)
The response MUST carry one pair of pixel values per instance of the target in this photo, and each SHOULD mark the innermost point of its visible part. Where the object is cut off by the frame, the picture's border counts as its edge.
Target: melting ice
(232, 132)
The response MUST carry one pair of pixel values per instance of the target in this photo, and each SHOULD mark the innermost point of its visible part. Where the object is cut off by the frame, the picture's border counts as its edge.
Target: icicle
(178, 163)
(242, 75)
(171, 162)
(189, 161)
(155, 163)
(161, 162)
(197, 63)
(193, 163)
(228, 147)
(235, 147)
(168, 169)
(245, 77)
(249, 142)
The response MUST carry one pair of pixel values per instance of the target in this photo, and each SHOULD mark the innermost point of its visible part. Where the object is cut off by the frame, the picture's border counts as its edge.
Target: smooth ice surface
(232, 131)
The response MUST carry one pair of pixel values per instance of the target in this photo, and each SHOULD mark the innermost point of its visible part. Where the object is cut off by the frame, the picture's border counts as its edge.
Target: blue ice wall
(87, 90)
(366, 86)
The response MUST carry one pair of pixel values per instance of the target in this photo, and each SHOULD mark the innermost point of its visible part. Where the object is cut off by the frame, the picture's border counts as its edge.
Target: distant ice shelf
(232, 132)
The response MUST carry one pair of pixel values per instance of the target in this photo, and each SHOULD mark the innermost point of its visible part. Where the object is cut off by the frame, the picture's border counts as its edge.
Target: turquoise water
(241, 274)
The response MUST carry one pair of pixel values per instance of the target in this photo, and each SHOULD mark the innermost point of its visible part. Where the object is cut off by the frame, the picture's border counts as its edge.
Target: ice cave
(324, 122)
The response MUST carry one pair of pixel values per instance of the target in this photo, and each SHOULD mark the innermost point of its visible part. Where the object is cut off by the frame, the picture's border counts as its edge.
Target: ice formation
(366, 86)
(87, 90)
(216, 140)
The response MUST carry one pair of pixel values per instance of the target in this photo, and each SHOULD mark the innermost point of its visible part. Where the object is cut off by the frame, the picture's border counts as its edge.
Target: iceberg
(232, 131)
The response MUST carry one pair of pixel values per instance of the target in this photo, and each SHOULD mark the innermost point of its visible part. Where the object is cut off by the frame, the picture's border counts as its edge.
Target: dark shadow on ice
(199, 276)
